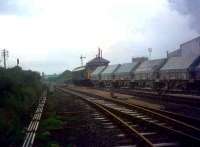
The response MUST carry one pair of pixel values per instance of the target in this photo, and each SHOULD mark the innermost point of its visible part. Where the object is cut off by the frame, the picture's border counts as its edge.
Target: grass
(49, 123)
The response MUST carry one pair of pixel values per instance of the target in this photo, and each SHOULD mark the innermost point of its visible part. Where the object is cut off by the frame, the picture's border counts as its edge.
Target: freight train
(180, 70)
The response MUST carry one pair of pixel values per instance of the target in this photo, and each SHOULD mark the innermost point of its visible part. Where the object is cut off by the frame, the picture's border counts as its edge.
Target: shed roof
(126, 67)
(110, 69)
(150, 66)
(78, 68)
(98, 60)
(98, 70)
(178, 63)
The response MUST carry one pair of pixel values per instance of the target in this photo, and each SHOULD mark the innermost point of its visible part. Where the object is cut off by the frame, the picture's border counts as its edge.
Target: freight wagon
(180, 70)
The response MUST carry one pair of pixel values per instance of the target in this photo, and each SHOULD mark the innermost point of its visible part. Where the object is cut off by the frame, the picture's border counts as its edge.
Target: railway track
(112, 123)
(183, 118)
(82, 125)
(186, 92)
(168, 97)
(33, 126)
(150, 128)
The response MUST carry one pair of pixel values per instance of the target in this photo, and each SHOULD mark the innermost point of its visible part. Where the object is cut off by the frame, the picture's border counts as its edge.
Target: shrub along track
(151, 128)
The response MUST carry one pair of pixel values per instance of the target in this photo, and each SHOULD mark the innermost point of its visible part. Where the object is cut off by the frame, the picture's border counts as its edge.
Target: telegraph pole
(17, 61)
(4, 54)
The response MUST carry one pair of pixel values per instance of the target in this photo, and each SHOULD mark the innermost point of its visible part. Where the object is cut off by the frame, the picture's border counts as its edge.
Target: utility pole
(82, 60)
(17, 61)
(4, 54)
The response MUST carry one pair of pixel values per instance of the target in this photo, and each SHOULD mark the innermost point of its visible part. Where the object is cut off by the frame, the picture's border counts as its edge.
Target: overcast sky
(50, 35)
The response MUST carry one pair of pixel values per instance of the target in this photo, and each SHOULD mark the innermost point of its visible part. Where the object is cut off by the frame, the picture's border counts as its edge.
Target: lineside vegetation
(19, 93)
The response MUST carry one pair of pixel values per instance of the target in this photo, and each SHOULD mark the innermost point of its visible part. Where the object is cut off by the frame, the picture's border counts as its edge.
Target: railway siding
(174, 97)
(124, 97)
(184, 127)
(149, 121)
(178, 111)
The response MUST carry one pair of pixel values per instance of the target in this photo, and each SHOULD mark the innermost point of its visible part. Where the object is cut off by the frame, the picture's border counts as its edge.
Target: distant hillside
(51, 78)
(66, 75)
(61, 78)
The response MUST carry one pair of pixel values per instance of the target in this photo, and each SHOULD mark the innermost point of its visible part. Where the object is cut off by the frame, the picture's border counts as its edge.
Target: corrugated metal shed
(191, 47)
(108, 73)
(150, 66)
(175, 53)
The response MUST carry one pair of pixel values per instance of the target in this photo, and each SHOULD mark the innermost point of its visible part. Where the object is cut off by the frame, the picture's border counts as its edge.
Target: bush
(51, 123)
(19, 91)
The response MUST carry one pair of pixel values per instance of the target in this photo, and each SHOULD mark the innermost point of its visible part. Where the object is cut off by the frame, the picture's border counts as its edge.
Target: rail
(186, 133)
(182, 118)
(143, 141)
(33, 126)
(190, 100)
